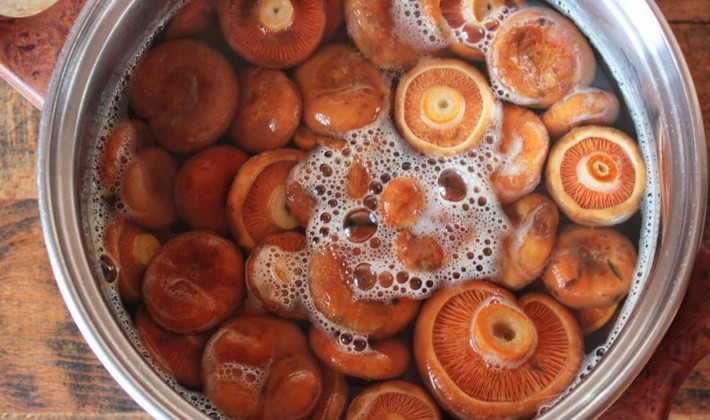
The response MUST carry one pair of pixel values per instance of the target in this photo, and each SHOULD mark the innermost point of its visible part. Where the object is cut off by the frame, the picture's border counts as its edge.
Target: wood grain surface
(46, 368)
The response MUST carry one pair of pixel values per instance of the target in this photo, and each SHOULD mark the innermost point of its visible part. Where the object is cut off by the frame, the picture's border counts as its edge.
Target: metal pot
(635, 42)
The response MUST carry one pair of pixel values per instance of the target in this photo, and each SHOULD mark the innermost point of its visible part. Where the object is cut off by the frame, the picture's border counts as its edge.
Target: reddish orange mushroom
(187, 91)
(273, 33)
(194, 282)
(483, 354)
(260, 367)
(443, 106)
(269, 111)
(341, 90)
(590, 267)
(584, 106)
(132, 248)
(385, 359)
(121, 145)
(178, 355)
(596, 175)
(393, 400)
(538, 56)
(202, 184)
(256, 203)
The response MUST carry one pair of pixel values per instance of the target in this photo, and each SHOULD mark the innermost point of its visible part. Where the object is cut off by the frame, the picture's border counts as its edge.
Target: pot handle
(29, 48)
(28, 52)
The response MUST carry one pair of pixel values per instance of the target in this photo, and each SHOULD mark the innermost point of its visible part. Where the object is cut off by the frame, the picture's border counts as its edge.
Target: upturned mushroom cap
(256, 203)
(393, 400)
(272, 33)
(443, 106)
(483, 354)
(596, 175)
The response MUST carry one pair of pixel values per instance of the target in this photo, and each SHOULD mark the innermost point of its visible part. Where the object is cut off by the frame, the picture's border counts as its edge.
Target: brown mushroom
(590, 267)
(334, 399)
(538, 56)
(523, 146)
(260, 367)
(187, 91)
(273, 33)
(147, 189)
(256, 203)
(372, 27)
(592, 319)
(269, 111)
(527, 249)
(121, 145)
(585, 106)
(179, 355)
(443, 106)
(131, 248)
(484, 355)
(393, 400)
(306, 139)
(341, 90)
(197, 19)
(596, 175)
(194, 282)
(202, 184)
(273, 285)
(384, 359)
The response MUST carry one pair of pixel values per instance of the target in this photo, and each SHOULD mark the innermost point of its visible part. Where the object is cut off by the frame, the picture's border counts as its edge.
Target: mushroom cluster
(313, 200)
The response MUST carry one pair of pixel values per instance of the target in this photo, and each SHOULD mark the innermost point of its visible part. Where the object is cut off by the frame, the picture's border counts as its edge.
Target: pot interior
(88, 97)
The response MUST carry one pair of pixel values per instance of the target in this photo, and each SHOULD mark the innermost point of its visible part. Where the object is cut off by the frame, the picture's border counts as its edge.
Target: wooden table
(47, 369)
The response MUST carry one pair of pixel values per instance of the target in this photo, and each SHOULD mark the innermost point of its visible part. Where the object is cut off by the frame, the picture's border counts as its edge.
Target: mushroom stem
(276, 15)
(503, 335)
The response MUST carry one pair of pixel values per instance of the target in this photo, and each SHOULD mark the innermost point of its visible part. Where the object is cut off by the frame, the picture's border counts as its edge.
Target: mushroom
(260, 367)
(527, 249)
(372, 27)
(590, 267)
(383, 359)
(402, 202)
(147, 189)
(473, 19)
(256, 203)
(584, 106)
(269, 111)
(537, 56)
(121, 145)
(202, 185)
(179, 355)
(393, 400)
(483, 354)
(333, 296)
(187, 91)
(524, 144)
(194, 282)
(443, 106)
(596, 175)
(131, 249)
(272, 285)
(273, 33)
(341, 90)
(419, 253)
(334, 398)
(197, 19)
(592, 319)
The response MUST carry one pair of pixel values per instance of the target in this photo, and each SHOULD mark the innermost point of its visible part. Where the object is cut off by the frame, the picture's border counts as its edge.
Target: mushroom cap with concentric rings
(596, 175)
(463, 350)
(443, 106)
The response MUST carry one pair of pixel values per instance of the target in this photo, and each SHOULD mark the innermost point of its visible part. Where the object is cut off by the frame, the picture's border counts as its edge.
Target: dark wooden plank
(45, 365)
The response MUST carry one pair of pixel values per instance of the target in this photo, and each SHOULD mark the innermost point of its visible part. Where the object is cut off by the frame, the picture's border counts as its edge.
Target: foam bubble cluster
(461, 219)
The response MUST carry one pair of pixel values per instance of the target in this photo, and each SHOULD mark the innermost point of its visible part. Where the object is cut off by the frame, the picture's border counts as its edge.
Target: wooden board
(46, 368)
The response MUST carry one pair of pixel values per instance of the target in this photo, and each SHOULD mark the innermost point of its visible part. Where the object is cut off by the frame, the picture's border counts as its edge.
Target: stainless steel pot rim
(680, 234)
